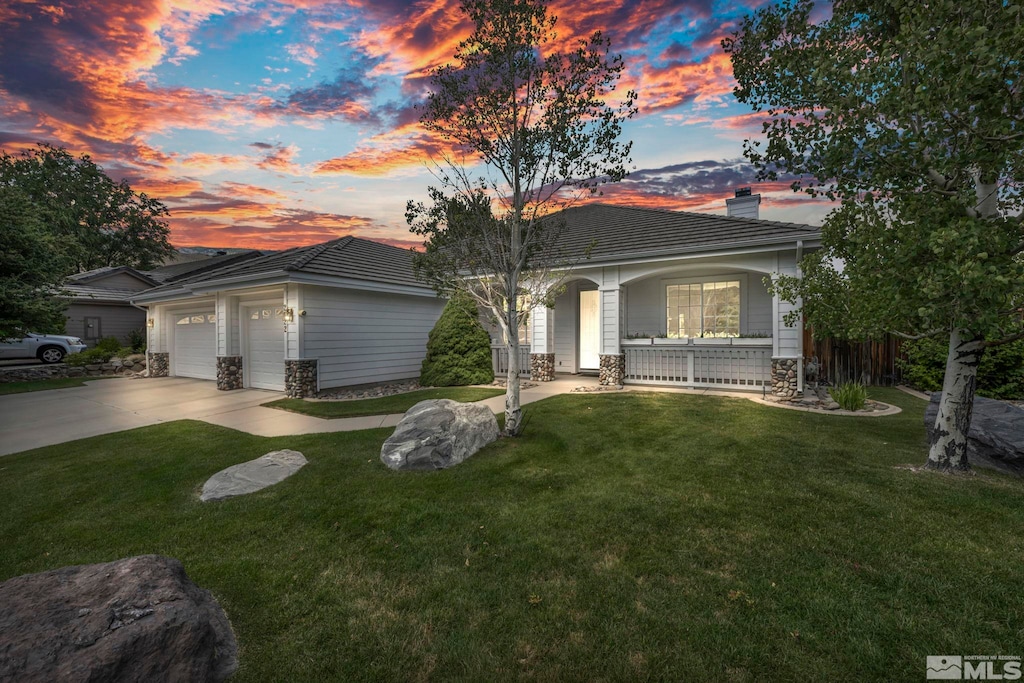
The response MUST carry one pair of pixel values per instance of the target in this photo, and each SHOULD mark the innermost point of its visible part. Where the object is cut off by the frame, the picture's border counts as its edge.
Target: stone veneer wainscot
(229, 372)
(300, 378)
(159, 364)
(612, 370)
(542, 367)
(785, 383)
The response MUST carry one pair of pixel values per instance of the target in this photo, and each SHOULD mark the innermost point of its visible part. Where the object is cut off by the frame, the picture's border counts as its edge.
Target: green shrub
(137, 340)
(94, 355)
(850, 395)
(110, 344)
(458, 349)
(1000, 375)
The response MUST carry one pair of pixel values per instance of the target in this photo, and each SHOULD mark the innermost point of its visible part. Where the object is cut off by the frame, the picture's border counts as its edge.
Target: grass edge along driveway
(383, 405)
(623, 537)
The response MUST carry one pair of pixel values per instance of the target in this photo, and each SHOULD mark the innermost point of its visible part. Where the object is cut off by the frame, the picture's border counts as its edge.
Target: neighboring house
(342, 313)
(674, 298)
(100, 303)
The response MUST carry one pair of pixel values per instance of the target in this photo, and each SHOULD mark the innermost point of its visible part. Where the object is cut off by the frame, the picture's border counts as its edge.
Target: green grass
(45, 384)
(622, 538)
(385, 405)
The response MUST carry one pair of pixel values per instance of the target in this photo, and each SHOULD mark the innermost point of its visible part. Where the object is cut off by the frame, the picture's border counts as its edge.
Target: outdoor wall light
(150, 323)
(288, 315)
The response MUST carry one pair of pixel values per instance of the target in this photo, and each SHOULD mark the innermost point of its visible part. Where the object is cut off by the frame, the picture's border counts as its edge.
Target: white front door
(590, 330)
(263, 362)
(194, 353)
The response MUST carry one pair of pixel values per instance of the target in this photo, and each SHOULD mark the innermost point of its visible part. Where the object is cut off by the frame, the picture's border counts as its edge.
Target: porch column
(613, 361)
(787, 342)
(542, 344)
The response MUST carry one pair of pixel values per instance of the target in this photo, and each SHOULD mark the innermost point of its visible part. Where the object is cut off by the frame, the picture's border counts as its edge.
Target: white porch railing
(499, 360)
(723, 366)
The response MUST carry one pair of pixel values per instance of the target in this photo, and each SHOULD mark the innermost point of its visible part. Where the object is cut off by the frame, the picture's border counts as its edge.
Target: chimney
(743, 205)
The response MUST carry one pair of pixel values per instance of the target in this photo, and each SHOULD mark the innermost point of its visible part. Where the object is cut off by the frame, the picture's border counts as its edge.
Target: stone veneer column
(300, 378)
(613, 369)
(229, 372)
(159, 364)
(785, 383)
(542, 367)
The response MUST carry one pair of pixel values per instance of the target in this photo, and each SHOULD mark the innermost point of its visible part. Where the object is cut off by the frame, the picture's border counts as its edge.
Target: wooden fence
(871, 362)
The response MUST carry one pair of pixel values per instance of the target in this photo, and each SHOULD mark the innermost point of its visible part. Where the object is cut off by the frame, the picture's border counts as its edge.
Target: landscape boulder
(996, 438)
(437, 434)
(253, 475)
(136, 619)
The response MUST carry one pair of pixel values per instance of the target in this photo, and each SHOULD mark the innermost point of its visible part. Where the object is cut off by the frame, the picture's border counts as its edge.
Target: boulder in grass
(136, 619)
(996, 438)
(251, 476)
(438, 434)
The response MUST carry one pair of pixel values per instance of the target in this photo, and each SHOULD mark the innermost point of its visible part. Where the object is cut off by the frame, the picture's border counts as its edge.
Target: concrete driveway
(45, 418)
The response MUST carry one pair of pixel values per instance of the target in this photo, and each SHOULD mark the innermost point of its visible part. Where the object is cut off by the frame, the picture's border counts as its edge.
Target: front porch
(701, 322)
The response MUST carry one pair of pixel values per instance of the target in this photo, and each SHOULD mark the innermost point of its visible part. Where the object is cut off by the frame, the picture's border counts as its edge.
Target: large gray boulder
(437, 434)
(253, 475)
(136, 619)
(996, 439)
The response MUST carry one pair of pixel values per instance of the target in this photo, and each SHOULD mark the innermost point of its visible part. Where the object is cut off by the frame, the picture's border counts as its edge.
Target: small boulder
(253, 475)
(438, 434)
(996, 438)
(136, 619)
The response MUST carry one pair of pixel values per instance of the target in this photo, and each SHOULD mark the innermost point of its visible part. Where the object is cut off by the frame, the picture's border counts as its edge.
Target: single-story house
(673, 298)
(342, 313)
(100, 303)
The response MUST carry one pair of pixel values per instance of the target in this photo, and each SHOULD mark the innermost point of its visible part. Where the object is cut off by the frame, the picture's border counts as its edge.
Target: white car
(49, 348)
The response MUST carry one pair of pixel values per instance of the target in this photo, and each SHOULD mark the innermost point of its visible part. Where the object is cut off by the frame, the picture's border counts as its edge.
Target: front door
(590, 330)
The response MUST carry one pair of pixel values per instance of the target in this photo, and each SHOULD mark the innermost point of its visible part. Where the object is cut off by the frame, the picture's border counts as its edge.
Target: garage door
(264, 360)
(195, 345)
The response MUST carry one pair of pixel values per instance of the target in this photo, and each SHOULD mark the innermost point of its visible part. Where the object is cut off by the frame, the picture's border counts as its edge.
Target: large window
(704, 309)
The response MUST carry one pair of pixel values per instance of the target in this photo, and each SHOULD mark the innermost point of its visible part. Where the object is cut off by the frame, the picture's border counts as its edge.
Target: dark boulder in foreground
(136, 619)
(996, 439)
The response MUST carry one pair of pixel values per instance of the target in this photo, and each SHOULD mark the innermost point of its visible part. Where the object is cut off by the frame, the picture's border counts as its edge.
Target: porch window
(704, 309)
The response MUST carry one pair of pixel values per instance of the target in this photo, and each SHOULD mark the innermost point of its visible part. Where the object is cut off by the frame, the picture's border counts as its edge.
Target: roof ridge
(314, 251)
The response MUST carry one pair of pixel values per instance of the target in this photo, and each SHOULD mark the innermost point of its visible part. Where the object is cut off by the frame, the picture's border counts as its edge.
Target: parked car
(49, 348)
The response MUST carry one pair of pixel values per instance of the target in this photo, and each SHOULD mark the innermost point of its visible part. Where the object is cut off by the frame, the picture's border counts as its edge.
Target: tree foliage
(458, 348)
(539, 120)
(911, 115)
(30, 270)
(95, 221)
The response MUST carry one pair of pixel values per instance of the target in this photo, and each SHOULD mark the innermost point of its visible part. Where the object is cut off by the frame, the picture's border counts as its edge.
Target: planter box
(663, 341)
(752, 341)
(713, 341)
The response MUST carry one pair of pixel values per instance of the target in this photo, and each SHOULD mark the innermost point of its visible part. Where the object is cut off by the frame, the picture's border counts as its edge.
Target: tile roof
(86, 293)
(183, 269)
(347, 257)
(614, 232)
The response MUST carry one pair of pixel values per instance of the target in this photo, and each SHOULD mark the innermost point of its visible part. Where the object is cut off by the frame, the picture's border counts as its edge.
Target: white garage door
(264, 360)
(195, 345)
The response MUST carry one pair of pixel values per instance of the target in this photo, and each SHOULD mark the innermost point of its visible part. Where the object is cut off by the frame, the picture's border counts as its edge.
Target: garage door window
(196, 319)
(266, 314)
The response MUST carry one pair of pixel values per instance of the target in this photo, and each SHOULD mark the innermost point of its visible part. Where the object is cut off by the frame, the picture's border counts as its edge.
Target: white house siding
(363, 337)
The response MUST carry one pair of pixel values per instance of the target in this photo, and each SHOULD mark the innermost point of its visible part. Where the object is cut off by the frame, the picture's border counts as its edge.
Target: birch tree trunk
(513, 410)
(948, 448)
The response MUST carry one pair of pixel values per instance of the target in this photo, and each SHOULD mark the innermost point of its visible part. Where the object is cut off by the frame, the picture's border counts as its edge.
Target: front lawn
(624, 537)
(385, 405)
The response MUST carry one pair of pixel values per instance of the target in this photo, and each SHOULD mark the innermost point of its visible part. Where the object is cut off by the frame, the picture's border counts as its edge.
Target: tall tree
(911, 115)
(96, 221)
(540, 121)
(31, 271)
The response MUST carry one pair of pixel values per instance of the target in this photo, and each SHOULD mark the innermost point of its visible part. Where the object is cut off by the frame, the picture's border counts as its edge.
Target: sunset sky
(276, 124)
